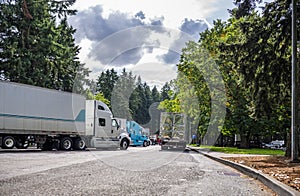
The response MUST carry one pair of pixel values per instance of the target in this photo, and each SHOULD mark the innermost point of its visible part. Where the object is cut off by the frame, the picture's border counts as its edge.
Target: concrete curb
(277, 186)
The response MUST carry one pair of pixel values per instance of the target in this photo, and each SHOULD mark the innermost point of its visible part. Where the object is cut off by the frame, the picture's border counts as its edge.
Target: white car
(277, 144)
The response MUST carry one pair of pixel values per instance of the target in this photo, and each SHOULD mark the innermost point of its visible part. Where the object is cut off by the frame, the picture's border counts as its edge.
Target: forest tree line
(128, 96)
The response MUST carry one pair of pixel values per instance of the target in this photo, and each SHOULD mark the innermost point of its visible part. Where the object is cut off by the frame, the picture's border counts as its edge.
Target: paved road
(136, 171)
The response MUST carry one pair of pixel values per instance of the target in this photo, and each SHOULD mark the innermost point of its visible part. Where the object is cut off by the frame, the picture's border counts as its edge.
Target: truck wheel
(66, 143)
(8, 142)
(145, 143)
(79, 144)
(22, 145)
(124, 144)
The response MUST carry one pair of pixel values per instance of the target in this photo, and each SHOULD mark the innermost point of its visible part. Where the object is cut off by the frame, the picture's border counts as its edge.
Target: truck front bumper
(174, 145)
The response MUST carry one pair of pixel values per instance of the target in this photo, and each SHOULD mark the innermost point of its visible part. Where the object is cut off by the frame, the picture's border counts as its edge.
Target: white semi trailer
(55, 119)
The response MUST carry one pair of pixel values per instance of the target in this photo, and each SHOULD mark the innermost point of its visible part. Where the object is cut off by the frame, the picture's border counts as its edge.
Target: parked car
(277, 144)
(153, 139)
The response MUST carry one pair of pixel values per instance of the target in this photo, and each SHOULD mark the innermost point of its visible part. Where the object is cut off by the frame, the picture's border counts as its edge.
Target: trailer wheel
(79, 144)
(22, 145)
(66, 143)
(124, 144)
(8, 142)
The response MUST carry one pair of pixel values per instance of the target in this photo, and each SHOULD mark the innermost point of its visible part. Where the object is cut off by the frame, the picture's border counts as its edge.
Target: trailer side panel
(27, 109)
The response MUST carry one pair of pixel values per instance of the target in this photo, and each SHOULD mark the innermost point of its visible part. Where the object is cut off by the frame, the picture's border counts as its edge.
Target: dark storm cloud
(117, 39)
(124, 47)
(131, 56)
(172, 57)
(140, 15)
(91, 24)
(120, 38)
(190, 30)
(193, 27)
(157, 21)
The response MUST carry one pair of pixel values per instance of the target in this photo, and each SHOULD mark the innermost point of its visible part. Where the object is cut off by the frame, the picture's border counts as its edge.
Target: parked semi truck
(173, 131)
(137, 134)
(55, 119)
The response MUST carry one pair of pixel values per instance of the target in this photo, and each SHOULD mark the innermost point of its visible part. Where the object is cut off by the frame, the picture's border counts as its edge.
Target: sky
(145, 37)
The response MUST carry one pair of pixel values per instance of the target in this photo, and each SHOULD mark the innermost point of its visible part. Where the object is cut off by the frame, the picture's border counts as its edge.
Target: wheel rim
(81, 144)
(9, 142)
(67, 144)
(124, 144)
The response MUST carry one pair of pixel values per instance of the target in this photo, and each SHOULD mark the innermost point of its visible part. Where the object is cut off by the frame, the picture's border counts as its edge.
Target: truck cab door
(114, 128)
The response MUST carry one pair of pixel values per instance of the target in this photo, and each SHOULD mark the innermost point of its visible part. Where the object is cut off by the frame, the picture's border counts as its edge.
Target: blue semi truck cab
(137, 134)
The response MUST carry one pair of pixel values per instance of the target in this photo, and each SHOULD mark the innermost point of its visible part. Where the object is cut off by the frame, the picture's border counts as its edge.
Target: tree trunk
(244, 141)
(288, 145)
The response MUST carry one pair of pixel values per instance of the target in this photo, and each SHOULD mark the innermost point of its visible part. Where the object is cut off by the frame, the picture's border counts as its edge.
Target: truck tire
(66, 143)
(79, 144)
(21, 145)
(8, 142)
(145, 143)
(124, 144)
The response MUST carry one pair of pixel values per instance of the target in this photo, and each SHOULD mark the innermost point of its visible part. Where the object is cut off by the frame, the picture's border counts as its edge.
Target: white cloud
(150, 70)
(174, 11)
(86, 46)
(156, 74)
(116, 34)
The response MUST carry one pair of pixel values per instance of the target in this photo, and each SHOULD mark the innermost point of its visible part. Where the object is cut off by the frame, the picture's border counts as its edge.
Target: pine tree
(37, 45)
(106, 82)
(165, 91)
(120, 96)
(155, 95)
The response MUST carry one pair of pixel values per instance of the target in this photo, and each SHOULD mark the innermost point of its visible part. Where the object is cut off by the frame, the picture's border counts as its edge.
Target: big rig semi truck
(173, 131)
(55, 119)
(138, 134)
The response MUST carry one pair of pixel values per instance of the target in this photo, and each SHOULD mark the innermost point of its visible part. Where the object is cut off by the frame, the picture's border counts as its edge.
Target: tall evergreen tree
(37, 45)
(147, 93)
(165, 91)
(155, 95)
(121, 95)
(107, 81)
(140, 102)
(137, 102)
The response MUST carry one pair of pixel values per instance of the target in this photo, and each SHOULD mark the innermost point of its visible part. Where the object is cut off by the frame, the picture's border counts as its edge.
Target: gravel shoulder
(277, 167)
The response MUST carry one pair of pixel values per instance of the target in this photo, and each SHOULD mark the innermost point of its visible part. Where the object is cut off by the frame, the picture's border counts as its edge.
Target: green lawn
(233, 150)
